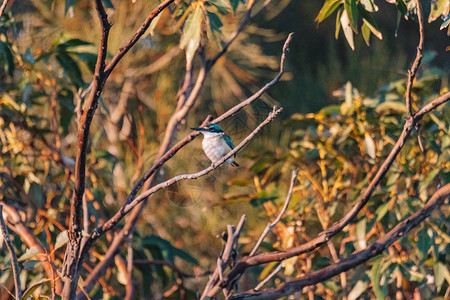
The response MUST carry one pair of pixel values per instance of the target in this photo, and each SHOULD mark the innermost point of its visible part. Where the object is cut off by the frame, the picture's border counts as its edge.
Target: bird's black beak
(199, 129)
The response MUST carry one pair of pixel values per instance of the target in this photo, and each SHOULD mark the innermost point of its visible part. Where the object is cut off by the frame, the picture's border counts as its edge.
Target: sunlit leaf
(352, 14)
(348, 31)
(190, 39)
(365, 30)
(369, 146)
(327, 9)
(357, 290)
(31, 252)
(61, 240)
(223, 6)
(370, 22)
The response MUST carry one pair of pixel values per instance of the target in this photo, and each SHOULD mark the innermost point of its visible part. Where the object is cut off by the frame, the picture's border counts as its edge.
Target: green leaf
(66, 109)
(401, 6)
(73, 43)
(37, 194)
(214, 22)
(191, 33)
(30, 264)
(235, 4)
(375, 277)
(369, 5)
(108, 4)
(348, 31)
(352, 13)
(370, 22)
(68, 5)
(439, 274)
(382, 210)
(327, 9)
(338, 22)
(7, 58)
(168, 250)
(366, 33)
(223, 7)
(90, 59)
(70, 68)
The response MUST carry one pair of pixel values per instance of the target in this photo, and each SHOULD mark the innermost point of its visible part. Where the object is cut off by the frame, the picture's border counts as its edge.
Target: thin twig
(138, 34)
(226, 257)
(271, 225)
(400, 230)
(274, 272)
(412, 72)
(12, 253)
(3, 7)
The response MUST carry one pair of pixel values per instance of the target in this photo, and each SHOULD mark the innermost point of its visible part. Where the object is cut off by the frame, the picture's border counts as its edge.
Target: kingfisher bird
(216, 143)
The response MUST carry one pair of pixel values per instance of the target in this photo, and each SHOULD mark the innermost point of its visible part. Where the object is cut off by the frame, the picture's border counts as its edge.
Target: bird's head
(212, 128)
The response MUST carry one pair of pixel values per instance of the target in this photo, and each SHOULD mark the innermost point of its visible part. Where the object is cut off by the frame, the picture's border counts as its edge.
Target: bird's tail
(234, 164)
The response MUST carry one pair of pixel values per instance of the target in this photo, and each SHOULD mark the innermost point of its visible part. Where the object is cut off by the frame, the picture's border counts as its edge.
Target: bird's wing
(229, 141)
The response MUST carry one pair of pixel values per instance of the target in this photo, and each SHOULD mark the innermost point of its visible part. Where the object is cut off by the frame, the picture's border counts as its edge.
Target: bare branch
(228, 255)
(165, 155)
(12, 253)
(274, 272)
(270, 226)
(138, 34)
(3, 7)
(130, 205)
(357, 258)
(431, 106)
(412, 72)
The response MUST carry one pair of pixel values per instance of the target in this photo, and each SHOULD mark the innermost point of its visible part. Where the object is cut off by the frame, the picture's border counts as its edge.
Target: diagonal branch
(138, 34)
(130, 205)
(12, 253)
(3, 7)
(412, 72)
(360, 257)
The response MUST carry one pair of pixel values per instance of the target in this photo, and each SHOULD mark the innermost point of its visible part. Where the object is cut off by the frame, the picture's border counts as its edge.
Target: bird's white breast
(216, 147)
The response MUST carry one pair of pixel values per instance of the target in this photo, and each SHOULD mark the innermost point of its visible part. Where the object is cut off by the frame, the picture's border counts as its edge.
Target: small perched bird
(216, 143)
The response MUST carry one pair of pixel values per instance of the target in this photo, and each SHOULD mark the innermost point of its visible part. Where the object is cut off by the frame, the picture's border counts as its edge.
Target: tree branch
(12, 253)
(130, 205)
(357, 258)
(163, 157)
(138, 34)
(3, 7)
(412, 72)
(271, 225)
